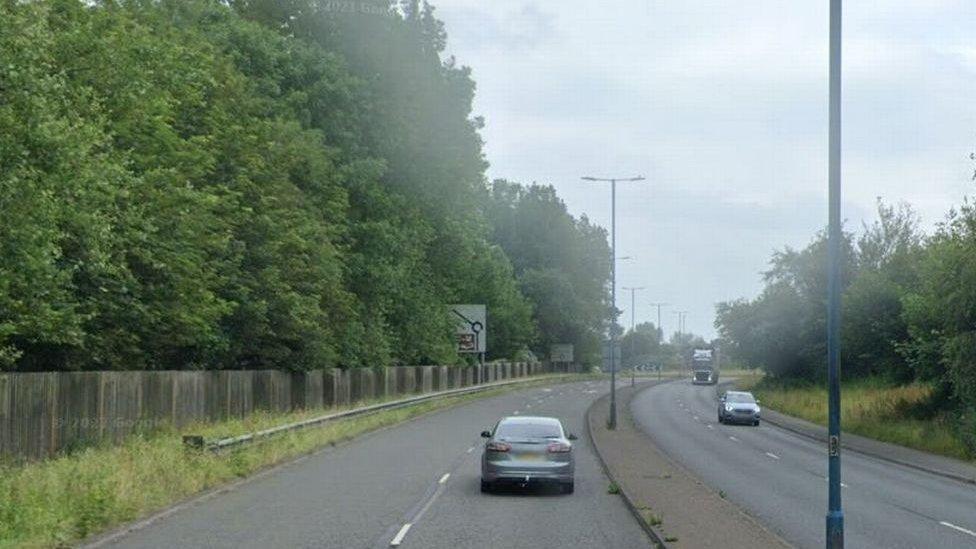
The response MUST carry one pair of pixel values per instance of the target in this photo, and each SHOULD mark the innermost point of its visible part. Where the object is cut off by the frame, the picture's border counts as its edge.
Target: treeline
(909, 309)
(644, 345)
(263, 184)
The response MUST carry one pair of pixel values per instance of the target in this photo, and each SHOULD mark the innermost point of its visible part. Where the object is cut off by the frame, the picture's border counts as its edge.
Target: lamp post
(835, 514)
(612, 421)
(633, 306)
(681, 321)
(659, 304)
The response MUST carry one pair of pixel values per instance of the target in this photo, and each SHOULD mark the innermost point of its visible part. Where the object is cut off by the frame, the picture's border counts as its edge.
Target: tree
(562, 265)
(641, 346)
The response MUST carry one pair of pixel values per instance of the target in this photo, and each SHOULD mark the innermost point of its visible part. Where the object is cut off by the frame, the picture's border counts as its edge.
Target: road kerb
(685, 510)
(655, 536)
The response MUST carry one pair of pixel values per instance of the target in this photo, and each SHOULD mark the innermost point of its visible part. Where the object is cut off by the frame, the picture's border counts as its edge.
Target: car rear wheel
(485, 486)
(721, 419)
(568, 487)
(755, 423)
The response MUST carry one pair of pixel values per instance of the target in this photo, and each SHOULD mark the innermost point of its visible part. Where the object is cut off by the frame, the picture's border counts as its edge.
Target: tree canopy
(909, 309)
(254, 184)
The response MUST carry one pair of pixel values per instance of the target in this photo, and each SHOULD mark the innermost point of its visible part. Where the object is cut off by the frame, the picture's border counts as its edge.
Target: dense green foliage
(562, 265)
(909, 311)
(249, 184)
(642, 346)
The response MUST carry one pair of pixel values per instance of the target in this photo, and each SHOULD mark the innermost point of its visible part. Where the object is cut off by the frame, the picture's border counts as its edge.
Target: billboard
(471, 331)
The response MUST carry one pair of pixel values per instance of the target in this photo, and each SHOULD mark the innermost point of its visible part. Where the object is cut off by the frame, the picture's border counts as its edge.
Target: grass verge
(870, 408)
(63, 500)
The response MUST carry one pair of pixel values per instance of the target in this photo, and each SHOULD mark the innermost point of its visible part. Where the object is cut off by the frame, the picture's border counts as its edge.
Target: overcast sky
(722, 105)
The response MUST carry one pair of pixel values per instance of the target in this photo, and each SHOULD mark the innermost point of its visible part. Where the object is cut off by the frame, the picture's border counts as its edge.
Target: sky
(722, 106)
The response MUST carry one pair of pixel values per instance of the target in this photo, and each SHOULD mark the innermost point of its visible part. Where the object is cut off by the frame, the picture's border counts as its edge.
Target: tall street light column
(612, 421)
(659, 304)
(835, 514)
(633, 305)
(681, 321)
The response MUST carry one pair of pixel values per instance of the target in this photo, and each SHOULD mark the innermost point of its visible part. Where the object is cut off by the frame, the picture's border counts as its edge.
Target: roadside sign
(606, 355)
(471, 332)
(561, 352)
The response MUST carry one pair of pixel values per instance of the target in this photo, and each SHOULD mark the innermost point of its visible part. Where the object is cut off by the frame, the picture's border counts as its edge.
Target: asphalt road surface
(780, 477)
(416, 484)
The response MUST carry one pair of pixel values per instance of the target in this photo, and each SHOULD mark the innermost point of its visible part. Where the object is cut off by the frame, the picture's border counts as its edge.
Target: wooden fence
(42, 414)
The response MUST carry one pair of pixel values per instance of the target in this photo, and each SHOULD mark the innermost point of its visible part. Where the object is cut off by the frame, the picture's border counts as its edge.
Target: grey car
(525, 450)
(738, 407)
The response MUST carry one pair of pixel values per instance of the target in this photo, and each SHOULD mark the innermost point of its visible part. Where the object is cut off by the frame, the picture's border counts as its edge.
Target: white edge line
(444, 478)
(398, 539)
(958, 528)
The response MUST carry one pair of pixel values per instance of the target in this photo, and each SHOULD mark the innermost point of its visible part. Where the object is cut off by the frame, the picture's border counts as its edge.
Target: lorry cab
(704, 367)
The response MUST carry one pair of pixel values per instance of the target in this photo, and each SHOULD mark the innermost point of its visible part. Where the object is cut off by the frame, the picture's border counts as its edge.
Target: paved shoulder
(940, 465)
(415, 485)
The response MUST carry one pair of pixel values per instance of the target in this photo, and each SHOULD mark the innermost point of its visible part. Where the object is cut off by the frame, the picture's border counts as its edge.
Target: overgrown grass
(63, 500)
(871, 408)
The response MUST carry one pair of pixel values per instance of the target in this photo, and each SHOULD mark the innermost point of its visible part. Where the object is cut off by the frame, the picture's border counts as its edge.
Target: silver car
(738, 407)
(525, 450)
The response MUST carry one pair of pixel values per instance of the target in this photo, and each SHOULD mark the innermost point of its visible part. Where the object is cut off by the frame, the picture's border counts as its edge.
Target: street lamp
(633, 306)
(681, 321)
(835, 514)
(659, 304)
(612, 421)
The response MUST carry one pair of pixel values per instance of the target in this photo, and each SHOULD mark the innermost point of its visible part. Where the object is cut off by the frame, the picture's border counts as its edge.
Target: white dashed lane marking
(772, 455)
(444, 478)
(733, 439)
(958, 528)
(398, 538)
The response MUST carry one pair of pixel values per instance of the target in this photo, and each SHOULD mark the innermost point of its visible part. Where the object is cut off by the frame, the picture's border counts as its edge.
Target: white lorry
(704, 367)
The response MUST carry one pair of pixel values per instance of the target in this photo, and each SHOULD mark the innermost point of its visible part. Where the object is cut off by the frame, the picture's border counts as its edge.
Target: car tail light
(558, 448)
(498, 447)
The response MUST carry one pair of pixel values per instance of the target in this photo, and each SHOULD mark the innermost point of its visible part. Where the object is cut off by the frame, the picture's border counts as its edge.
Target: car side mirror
(758, 401)
(571, 437)
(485, 434)
(721, 399)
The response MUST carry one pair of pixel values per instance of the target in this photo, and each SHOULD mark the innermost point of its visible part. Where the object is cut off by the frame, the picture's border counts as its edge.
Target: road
(424, 473)
(779, 477)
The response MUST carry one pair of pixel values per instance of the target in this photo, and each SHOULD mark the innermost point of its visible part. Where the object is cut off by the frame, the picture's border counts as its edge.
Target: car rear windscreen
(528, 430)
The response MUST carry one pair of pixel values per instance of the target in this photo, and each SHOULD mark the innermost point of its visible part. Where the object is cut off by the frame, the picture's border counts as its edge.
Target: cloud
(722, 105)
(502, 29)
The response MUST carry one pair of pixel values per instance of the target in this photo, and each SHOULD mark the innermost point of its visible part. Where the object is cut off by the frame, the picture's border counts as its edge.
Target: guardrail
(198, 442)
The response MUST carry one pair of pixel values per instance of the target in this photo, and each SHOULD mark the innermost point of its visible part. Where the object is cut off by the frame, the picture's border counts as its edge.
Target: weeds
(65, 499)
(875, 409)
